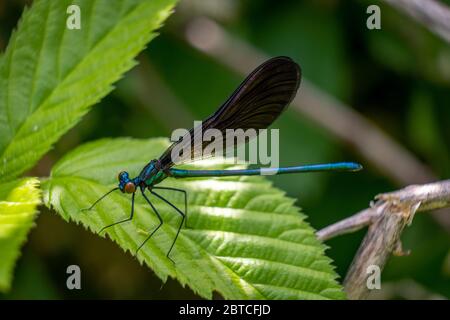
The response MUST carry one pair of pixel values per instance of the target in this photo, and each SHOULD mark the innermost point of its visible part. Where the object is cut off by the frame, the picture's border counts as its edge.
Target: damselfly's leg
(99, 199)
(125, 220)
(185, 201)
(159, 218)
(181, 224)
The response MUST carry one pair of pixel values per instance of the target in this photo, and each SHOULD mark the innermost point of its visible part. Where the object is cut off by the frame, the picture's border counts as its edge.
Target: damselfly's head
(126, 185)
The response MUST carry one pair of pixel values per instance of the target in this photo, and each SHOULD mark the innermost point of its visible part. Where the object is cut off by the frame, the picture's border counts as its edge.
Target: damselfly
(255, 104)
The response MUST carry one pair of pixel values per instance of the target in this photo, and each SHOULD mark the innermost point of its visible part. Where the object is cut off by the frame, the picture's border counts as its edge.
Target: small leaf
(18, 201)
(50, 76)
(245, 239)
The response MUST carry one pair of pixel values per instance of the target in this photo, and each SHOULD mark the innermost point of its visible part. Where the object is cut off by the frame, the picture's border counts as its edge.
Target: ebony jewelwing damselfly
(255, 104)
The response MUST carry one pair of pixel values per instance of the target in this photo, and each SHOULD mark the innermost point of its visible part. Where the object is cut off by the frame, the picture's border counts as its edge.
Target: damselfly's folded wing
(255, 104)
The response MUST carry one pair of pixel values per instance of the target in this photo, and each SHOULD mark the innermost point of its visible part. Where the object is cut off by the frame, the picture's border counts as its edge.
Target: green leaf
(245, 239)
(50, 75)
(18, 201)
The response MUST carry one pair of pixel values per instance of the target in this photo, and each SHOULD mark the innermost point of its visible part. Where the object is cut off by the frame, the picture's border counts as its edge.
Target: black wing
(255, 104)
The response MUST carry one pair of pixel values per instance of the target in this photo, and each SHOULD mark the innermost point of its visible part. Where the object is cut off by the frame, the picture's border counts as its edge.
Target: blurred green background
(398, 77)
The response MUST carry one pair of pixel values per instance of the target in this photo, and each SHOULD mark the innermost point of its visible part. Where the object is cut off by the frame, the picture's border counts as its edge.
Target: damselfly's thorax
(152, 173)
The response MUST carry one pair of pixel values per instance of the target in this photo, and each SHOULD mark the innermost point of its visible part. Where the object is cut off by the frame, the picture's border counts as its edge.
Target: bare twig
(377, 148)
(386, 219)
(431, 196)
(432, 14)
(348, 225)
(381, 240)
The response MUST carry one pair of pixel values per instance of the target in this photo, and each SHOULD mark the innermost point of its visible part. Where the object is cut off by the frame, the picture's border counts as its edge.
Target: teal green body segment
(338, 166)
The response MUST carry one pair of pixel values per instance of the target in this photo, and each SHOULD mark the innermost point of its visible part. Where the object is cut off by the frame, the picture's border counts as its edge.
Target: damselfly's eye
(130, 187)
